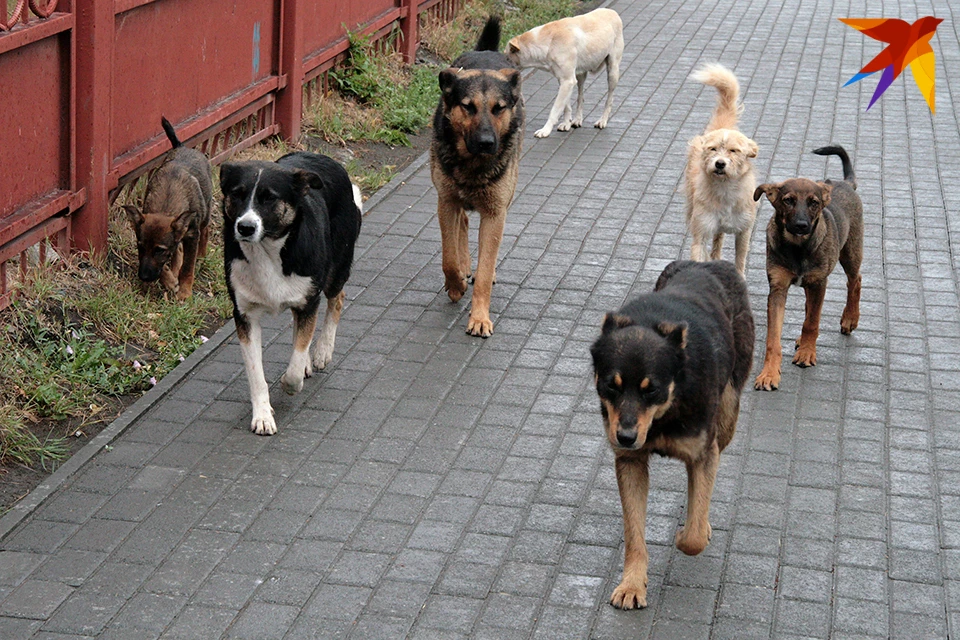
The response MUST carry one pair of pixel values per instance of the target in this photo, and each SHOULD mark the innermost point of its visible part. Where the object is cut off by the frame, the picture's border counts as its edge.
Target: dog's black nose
(246, 229)
(720, 164)
(487, 145)
(627, 438)
(800, 227)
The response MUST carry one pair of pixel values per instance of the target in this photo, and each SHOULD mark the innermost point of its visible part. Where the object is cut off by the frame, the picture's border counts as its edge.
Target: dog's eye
(734, 150)
(813, 202)
(713, 149)
(497, 109)
(790, 200)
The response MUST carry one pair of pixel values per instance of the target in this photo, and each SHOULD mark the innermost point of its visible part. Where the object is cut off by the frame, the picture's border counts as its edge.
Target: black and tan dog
(173, 224)
(670, 367)
(474, 162)
(815, 225)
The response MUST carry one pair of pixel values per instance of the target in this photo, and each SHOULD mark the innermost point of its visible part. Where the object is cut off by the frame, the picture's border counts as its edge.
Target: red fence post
(94, 33)
(409, 23)
(290, 96)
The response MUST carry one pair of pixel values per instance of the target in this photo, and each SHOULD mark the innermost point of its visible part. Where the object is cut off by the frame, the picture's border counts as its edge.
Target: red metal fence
(83, 84)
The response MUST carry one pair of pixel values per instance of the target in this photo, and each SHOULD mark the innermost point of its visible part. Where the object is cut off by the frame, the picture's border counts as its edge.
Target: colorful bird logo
(908, 44)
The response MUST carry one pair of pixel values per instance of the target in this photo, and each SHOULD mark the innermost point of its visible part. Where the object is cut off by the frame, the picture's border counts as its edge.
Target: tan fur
(570, 48)
(721, 203)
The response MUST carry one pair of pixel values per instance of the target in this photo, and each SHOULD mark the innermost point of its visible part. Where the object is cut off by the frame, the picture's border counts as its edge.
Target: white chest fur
(259, 284)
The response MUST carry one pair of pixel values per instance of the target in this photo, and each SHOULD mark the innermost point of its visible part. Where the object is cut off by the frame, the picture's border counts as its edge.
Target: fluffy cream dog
(571, 48)
(719, 175)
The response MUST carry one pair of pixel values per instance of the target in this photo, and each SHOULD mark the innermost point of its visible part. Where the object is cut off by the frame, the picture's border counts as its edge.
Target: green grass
(377, 99)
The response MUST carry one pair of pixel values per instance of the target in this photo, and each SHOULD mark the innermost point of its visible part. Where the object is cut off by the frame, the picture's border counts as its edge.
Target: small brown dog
(174, 221)
(474, 164)
(815, 225)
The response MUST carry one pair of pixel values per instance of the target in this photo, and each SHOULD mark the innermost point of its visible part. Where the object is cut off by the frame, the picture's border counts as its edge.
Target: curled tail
(728, 94)
(837, 150)
(171, 134)
(490, 37)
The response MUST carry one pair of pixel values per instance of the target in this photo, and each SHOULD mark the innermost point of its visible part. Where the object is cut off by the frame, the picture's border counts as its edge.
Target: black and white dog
(289, 230)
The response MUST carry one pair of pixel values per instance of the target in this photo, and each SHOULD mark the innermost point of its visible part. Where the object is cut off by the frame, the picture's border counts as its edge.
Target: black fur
(695, 330)
(325, 225)
(837, 150)
(171, 132)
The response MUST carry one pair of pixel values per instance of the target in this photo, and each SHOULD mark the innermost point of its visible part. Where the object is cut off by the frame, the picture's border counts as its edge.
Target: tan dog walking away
(570, 48)
(719, 177)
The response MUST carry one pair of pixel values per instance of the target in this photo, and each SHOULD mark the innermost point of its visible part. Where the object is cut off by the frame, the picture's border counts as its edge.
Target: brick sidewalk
(434, 485)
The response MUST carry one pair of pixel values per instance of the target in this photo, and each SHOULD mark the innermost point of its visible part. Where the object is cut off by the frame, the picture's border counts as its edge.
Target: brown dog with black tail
(173, 223)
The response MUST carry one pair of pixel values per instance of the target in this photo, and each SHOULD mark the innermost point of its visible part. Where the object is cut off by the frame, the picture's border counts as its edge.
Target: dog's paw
(322, 355)
(481, 326)
(630, 595)
(456, 287)
(564, 126)
(601, 123)
(184, 293)
(849, 322)
(694, 542)
(576, 123)
(768, 380)
(264, 425)
(542, 133)
(805, 357)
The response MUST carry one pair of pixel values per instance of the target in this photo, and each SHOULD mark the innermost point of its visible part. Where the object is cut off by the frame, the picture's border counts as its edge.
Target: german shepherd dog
(474, 162)
(173, 224)
(814, 226)
(289, 229)
(670, 367)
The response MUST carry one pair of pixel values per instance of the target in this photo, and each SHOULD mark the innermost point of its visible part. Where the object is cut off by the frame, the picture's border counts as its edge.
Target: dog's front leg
(769, 378)
(633, 481)
(323, 350)
(701, 475)
(806, 355)
(170, 274)
(563, 100)
(304, 322)
(491, 233)
(251, 344)
(743, 249)
(450, 214)
(578, 117)
(189, 265)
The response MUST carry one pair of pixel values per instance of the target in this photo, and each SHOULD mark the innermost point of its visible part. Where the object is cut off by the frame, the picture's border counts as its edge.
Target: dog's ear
(448, 81)
(513, 77)
(180, 224)
(512, 48)
(768, 188)
(674, 332)
(134, 215)
(229, 176)
(752, 150)
(304, 180)
(825, 191)
(614, 321)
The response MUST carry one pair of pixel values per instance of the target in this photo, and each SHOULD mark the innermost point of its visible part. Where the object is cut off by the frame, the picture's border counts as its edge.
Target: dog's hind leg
(463, 246)
(562, 102)
(633, 481)
(323, 349)
(850, 261)
(701, 474)
(304, 322)
(578, 117)
(251, 343)
(613, 79)
(806, 355)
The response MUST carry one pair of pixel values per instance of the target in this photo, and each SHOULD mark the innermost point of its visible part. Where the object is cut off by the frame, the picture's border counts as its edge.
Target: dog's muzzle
(720, 167)
(800, 228)
(248, 228)
(148, 273)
